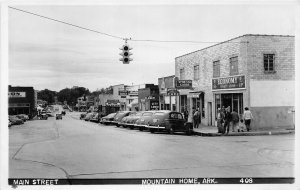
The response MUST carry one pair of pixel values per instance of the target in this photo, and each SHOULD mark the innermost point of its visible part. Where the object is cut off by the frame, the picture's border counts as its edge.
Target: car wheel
(188, 132)
(117, 125)
(131, 127)
(151, 130)
(141, 128)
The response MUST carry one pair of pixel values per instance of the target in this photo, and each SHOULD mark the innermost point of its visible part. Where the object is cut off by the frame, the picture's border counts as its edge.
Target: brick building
(22, 100)
(255, 71)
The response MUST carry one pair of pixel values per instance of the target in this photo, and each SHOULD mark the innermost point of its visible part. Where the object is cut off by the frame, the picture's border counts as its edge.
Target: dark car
(96, 118)
(119, 116)
(15, 120)
(143, 121)
(169, 121)
(58, 116)
(108, 119)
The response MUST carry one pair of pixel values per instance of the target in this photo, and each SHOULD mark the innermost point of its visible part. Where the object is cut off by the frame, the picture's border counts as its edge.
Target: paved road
(72, 148)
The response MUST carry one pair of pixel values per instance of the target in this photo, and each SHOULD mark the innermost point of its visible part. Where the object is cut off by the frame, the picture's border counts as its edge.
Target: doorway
(234, 100)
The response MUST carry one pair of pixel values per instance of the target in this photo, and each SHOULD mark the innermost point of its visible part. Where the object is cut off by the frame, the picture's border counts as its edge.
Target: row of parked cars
(17, 119)
(154, 121)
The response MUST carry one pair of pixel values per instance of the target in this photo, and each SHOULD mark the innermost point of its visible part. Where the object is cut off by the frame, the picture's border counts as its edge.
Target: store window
(181, 76)
(234, 66)
(196, 72)
(216, 69)
(269, 62)
(234, 100)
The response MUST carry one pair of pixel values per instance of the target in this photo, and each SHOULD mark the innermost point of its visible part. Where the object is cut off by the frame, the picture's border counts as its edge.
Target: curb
(261, 133)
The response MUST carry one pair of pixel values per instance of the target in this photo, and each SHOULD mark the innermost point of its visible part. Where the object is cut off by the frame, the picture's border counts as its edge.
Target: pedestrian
(235, 121)
(186, 114)
(220, 121)
(247, 118)
(242, 126)
(196, 119)
(227, 118)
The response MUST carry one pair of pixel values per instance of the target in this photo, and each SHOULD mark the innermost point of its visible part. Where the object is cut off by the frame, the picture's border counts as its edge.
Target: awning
(134, 103)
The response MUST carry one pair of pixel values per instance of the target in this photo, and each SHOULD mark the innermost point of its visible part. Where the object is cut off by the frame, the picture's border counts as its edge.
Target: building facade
(255, 71)
(166, 101)
(148, 97)
(22, 100)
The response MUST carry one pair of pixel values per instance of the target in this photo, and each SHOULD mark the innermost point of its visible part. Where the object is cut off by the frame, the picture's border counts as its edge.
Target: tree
(47, 95)
(71, 95)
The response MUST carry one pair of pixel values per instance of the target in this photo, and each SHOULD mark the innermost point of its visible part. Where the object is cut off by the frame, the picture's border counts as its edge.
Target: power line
(118, 37)
(91, 30)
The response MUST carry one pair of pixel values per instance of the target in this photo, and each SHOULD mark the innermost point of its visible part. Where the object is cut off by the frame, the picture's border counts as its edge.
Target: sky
(51, 55)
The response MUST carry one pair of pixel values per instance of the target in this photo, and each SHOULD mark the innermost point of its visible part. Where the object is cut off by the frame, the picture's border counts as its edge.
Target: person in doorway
(247, 118)
(227, 119)
(235, 121)
(220, 121)
(196, 119)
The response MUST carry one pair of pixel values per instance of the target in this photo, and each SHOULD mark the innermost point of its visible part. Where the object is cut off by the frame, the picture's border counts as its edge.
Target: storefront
(112, 106)
(229, 92)
(21, 100)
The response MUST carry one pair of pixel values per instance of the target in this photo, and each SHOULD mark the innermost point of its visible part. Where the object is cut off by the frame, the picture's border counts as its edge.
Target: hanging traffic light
(125, 54)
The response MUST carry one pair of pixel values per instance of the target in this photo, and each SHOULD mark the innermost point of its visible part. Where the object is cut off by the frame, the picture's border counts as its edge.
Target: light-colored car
(107, 119)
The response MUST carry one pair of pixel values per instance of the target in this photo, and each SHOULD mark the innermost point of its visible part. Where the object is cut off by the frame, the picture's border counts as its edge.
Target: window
(269, 62)
(196, 72)
(216, 69)
(181, 74)
(234, 69)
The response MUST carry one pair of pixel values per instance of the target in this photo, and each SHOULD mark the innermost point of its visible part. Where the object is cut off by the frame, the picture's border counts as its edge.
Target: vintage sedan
(125, 120)
(130, 121)
(143, 121)
(96, 118)
(108, 119)
(169, 121)
(89, 116)
(58, 116)
(119, 116)
(15, 120)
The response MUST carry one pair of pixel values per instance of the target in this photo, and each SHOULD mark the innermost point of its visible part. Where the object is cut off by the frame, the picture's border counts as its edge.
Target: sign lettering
(184, 84)
(234, 82)
(16, 94)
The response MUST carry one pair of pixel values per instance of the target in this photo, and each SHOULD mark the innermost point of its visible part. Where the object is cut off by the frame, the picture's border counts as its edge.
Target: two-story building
(255, 71)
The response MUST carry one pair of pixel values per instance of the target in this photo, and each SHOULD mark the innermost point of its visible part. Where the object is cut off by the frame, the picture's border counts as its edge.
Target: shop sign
(16, 94)
(227, 83)
(112, 101)
(172, 92)
(123, 92)
(184, 84)
(154, 105)
(150, 97)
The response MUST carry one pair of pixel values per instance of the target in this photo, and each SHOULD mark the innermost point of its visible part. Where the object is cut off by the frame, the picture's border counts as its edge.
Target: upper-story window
(234, 66)
(216, 69)
(269, 60)
(196, 72)
(181, 76)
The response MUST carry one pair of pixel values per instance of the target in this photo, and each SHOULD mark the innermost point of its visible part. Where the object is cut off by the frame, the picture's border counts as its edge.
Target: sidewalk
(204, 130)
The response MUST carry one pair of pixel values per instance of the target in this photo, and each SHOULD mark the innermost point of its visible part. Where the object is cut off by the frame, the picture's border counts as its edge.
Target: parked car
(124, 121)
(22, 117)
(15, 120)
(143, 121)
(108, 119)
(169, 121)
(130, 120)
(49, 113)
(96, 118)
(89, 116)
(119, 116)
(58, 116)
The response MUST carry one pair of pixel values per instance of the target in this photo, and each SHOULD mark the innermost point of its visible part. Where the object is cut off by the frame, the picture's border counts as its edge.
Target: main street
(73, 148)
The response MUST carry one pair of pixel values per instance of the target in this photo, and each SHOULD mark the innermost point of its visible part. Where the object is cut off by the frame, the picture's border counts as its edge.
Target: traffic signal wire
(91, 30)
(114, 36)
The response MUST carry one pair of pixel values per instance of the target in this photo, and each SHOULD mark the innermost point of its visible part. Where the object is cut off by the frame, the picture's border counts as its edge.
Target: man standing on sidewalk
(227, 119)
(235, 121)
